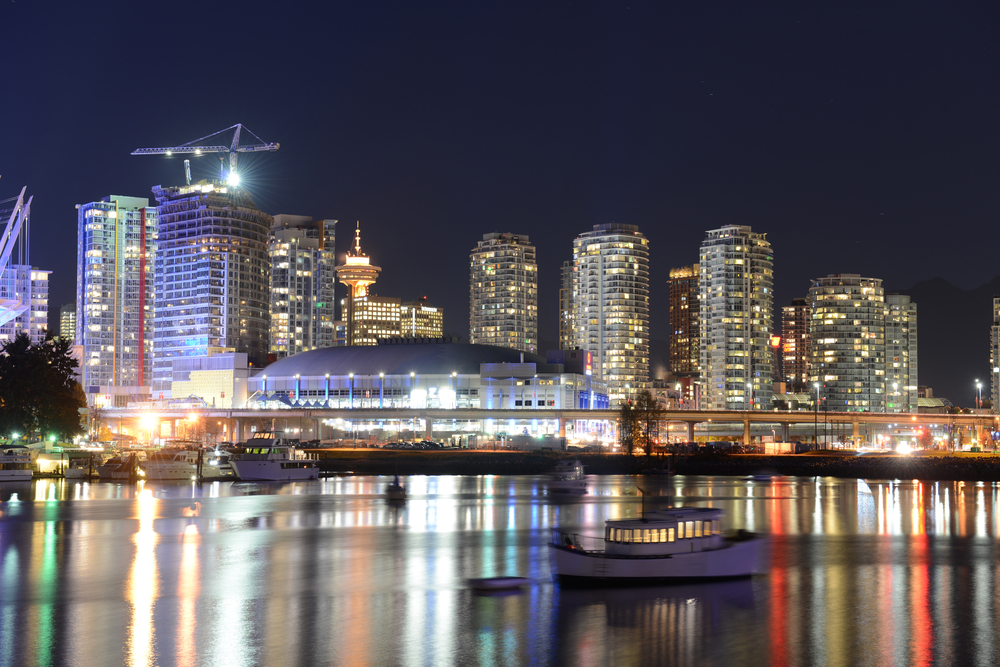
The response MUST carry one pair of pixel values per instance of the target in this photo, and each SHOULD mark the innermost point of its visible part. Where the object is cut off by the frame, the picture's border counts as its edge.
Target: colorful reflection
(862, 572)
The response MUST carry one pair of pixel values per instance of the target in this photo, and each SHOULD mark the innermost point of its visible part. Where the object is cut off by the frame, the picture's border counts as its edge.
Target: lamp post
(750, 395)
(979, 389)
(381, 389)
(816, 418)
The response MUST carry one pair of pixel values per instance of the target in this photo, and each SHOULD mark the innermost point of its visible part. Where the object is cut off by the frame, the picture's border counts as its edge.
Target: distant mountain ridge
(953, 337)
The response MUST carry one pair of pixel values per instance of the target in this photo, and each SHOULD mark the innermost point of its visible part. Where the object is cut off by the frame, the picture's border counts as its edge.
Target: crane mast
(233, 150)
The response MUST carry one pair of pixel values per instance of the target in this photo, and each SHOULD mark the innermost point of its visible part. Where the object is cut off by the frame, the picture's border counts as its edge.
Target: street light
(979, 388)
(750, 394)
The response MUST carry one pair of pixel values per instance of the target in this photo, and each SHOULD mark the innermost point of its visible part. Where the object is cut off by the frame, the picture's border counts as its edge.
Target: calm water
(879, 573)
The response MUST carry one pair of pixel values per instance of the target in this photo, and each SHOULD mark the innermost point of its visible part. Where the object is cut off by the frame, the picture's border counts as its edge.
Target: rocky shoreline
(984, 468)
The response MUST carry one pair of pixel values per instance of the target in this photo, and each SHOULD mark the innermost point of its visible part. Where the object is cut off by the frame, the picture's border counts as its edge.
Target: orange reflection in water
(142, 589)
(188, 589)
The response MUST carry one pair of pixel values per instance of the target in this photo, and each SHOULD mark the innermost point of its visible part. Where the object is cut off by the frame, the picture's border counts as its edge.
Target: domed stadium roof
(419, 358)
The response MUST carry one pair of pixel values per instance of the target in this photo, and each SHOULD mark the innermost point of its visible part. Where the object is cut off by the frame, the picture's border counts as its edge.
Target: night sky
(862, 137)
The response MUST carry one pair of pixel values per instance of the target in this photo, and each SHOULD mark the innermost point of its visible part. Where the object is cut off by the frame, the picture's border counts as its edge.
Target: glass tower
(901, 383)
(303, 277)
(503, 292)
(212, 276)
(115, 293)
(847, 343)
(737, 301)
(611, 306)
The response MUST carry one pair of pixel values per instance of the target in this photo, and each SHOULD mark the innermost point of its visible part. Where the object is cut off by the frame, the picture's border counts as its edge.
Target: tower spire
(357, 241)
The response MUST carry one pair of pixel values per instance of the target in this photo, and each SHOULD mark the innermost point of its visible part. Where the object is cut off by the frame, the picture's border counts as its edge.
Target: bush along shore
(846, 465)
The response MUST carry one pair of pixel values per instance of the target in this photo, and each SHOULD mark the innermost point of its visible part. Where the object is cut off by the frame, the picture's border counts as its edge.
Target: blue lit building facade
(212, 276)
(115, 298)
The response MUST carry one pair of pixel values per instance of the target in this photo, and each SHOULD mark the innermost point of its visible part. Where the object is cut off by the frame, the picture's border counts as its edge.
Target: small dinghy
(395, 491)
(498, 583)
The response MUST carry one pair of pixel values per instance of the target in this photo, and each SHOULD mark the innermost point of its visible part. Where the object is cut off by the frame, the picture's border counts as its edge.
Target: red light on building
(775, 341)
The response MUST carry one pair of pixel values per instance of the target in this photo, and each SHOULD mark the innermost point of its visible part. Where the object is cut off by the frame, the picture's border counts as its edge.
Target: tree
(39, 393)
(629, 429)
(649, 413)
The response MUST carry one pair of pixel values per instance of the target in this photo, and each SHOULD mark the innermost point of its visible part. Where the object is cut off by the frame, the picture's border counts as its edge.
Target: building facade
(566, 337)
(419, 319)
(847, 343)
(736, 314)
(685, 357)
(116, 296)
(901, 381)
(33, 284)
(67, 321)
(303, 277)
(212, 276)
(995, 356)
(503, 292)
(795, 345)
(611, 306)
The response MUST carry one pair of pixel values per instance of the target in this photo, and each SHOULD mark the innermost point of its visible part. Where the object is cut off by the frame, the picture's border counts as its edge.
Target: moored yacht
(15, 463)
(183, 464)
(567, 477)
(269, 458)
(675, 544)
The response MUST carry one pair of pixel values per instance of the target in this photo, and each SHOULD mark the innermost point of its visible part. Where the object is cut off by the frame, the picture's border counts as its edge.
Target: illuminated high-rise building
(795, 345)
(67, 321)
(34, 285)
(847, 343)
(901, 382)
(212, 276)
(684, 312)
(367, 317)
(995, 356)
(303, 277)
(503, 292)
(419, 319)
(736, 306)
(611, 306)
(115, 296)
(566, 337)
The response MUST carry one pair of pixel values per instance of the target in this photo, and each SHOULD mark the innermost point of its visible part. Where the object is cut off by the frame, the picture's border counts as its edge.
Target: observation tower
(357, 272)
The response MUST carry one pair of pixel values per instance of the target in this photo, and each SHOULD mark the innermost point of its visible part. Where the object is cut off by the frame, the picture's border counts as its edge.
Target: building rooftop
(422, 359)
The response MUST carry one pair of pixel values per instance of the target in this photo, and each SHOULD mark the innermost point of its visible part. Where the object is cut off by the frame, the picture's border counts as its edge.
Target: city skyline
(434, 125)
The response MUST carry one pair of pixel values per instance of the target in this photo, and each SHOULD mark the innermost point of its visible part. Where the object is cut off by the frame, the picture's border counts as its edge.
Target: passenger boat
(182, 464)
(683, 543)
(15, 463)
(567, 477)
(269, 458)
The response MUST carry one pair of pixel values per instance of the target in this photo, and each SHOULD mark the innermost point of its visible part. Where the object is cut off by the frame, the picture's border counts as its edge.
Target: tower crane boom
(233, 150)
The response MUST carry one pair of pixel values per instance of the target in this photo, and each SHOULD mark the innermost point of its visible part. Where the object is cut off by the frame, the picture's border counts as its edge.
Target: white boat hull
(75, 473)
(274, 471)
(15, 475)
(186, 471)
(735, 559)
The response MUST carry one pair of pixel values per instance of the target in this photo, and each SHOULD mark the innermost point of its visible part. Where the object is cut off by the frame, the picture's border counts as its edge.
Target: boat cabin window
(680, 530)
(644, 536)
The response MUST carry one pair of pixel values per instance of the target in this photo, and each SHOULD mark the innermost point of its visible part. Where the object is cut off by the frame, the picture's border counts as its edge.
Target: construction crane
(232, 178)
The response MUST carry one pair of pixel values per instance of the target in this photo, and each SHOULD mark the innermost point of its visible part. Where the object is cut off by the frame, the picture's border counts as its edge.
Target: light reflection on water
(863, 572)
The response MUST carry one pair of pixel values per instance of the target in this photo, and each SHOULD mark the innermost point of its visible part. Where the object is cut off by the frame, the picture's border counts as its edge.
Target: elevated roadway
(691, 418)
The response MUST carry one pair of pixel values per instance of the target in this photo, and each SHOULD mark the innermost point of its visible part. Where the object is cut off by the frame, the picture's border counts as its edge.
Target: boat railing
(577, 541)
